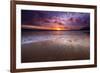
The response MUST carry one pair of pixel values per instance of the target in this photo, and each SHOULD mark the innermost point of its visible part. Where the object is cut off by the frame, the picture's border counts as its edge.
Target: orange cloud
(44, 27)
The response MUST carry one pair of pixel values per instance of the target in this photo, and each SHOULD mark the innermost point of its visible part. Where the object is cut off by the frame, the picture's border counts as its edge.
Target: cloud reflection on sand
(61, 37)
(40, 46)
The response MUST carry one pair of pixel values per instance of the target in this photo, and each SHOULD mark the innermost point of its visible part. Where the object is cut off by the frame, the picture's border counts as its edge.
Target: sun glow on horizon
(58, 29)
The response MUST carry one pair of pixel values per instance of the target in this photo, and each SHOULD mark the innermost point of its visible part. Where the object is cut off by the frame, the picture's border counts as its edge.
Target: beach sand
(56, 50)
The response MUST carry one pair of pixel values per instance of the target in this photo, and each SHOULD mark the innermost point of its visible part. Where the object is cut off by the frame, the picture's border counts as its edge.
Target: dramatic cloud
(53, 19)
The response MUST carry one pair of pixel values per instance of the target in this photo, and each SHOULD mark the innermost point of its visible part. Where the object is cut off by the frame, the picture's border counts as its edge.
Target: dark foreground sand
(56, 50)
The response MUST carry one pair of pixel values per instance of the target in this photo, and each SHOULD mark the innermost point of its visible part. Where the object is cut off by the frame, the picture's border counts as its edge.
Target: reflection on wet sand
(41, 46)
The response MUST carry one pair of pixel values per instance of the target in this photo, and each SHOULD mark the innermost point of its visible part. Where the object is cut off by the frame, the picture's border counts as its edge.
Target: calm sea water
(37, 36)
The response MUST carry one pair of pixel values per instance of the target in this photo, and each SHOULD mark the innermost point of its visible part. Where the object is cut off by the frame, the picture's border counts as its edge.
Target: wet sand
(71, 47)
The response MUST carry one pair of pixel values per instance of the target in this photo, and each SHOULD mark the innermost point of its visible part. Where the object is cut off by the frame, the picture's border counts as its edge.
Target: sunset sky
(54, 20)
